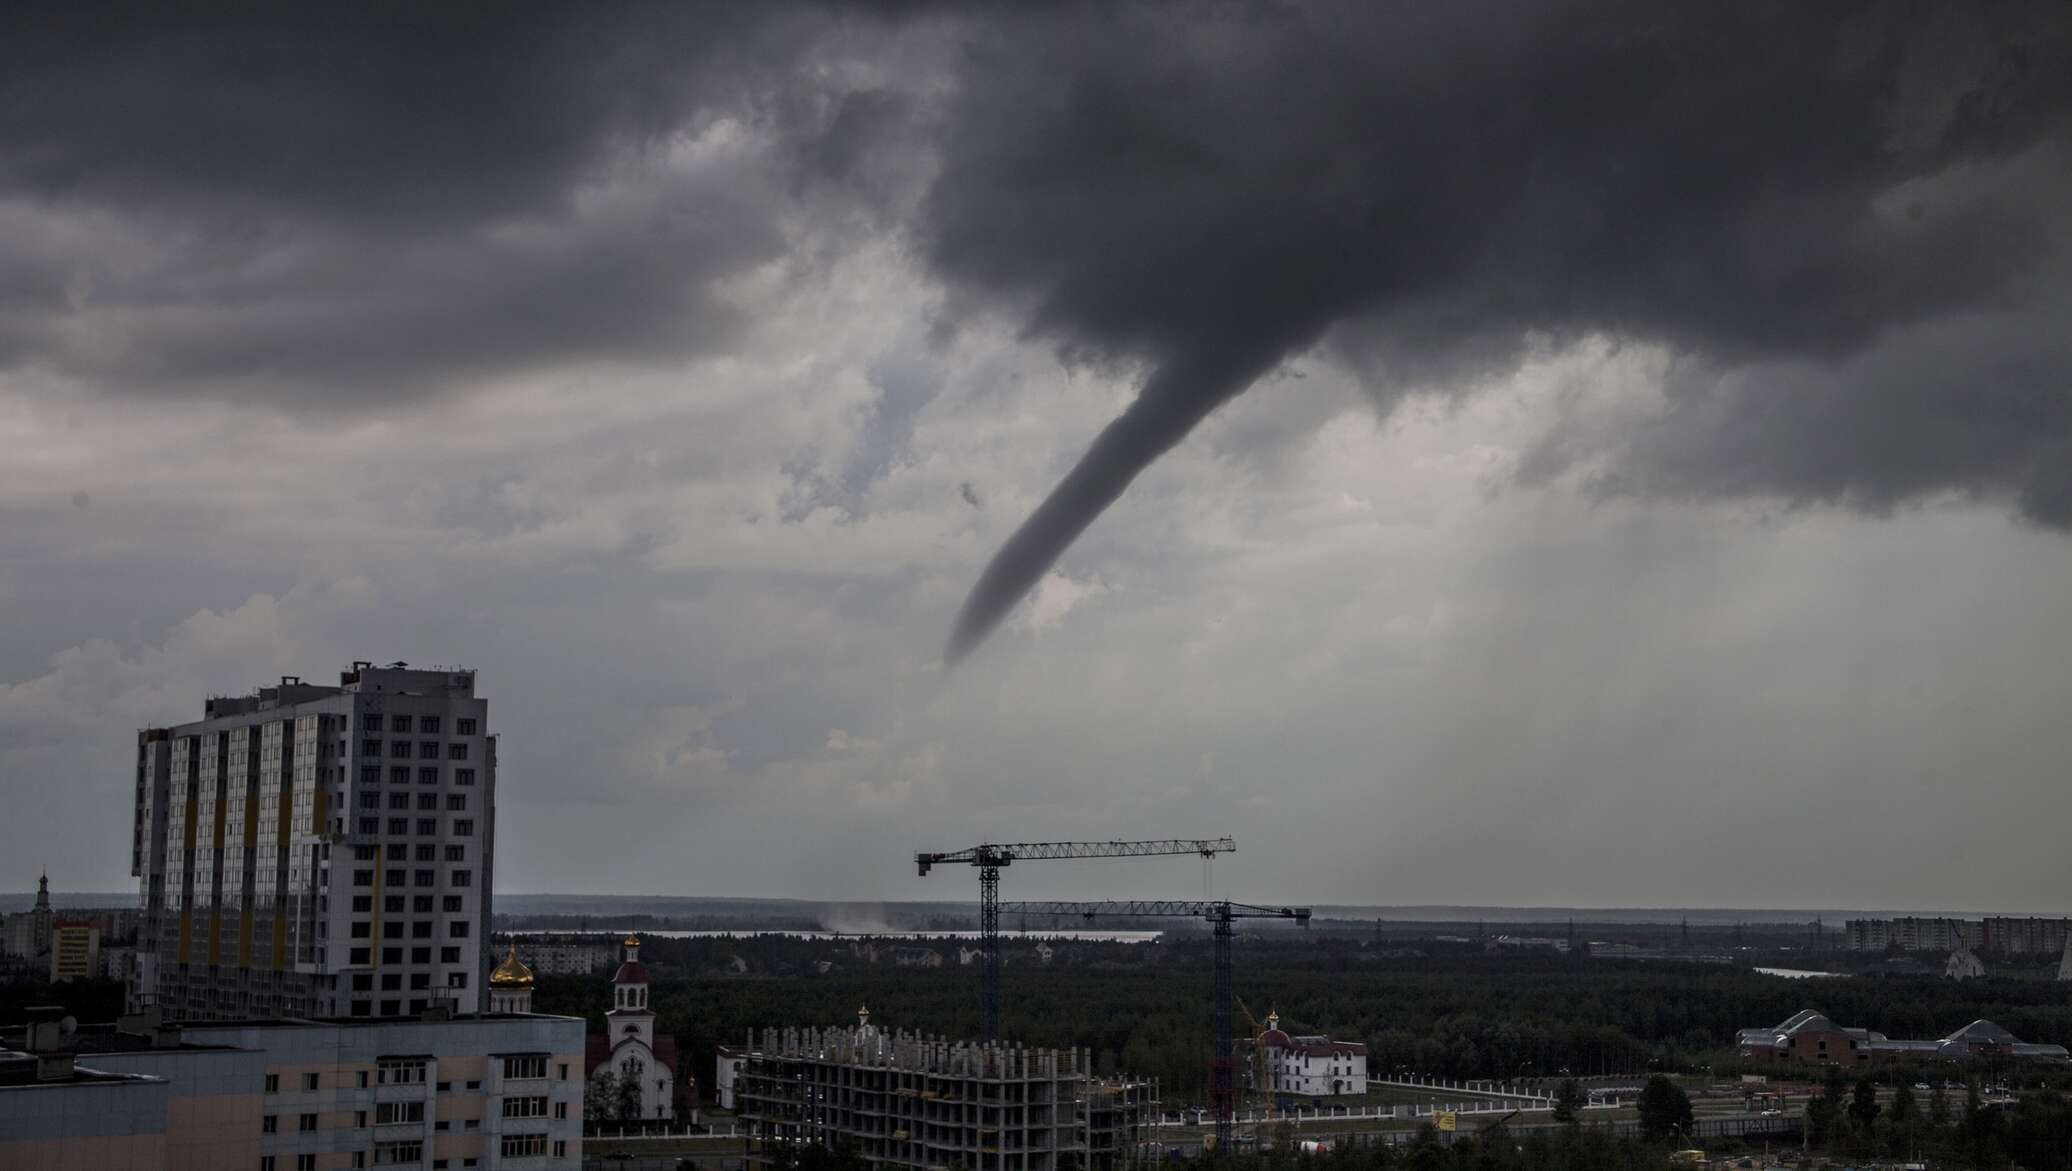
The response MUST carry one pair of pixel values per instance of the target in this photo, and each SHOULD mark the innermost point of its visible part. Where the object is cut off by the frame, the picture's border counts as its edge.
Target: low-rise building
(488, 1091)
(1810, 1038)
(1310, 1066)
(567, 955)
(60, 1114)
(904, 1100)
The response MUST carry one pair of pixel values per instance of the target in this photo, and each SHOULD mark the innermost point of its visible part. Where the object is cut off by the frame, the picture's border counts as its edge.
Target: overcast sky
(1579, 453)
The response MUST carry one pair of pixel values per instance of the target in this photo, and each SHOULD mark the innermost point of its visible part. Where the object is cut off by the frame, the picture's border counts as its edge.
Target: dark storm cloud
(343, 203)
(1436, 186)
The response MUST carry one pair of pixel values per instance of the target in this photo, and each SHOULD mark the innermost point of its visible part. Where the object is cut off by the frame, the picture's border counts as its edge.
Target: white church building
(1310, 1067)
(628, 1049)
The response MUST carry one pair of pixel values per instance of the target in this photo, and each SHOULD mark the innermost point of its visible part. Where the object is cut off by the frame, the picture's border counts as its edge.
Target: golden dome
(631, 941)
(512, 973)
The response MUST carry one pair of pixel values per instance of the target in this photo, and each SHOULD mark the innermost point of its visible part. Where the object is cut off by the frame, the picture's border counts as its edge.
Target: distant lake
(1801, 974)
(1096, 936)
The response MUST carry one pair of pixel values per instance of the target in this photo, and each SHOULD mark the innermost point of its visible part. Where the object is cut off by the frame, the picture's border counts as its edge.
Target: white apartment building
(318, 851)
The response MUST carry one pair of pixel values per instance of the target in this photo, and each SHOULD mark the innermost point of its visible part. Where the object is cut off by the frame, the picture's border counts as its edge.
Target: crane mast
(1219, 914)
(989, 857)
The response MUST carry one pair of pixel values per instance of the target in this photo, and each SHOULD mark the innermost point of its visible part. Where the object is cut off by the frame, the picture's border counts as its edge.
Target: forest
(1436, 1009)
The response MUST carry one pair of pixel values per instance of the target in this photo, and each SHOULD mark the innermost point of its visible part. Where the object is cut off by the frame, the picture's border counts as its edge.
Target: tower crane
(991, 856)
(1219, 914)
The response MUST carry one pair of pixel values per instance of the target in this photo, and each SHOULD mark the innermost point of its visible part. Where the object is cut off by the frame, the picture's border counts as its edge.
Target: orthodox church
(629, 1047)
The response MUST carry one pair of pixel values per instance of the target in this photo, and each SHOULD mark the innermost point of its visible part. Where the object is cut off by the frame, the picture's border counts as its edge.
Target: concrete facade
(318, 851)
(906, 1100)
(474, 1092)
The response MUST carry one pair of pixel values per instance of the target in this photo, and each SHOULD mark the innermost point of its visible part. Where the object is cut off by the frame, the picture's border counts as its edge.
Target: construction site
(989, 1104)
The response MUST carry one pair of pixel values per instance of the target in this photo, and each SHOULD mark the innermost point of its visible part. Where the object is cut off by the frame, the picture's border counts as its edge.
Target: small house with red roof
(1311, 1067)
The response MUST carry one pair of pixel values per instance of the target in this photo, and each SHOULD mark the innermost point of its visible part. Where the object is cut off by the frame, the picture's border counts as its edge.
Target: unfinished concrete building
(926, 1102)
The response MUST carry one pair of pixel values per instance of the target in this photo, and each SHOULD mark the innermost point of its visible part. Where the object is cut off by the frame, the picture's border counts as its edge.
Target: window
(534, 1106)
(266, 1163)
(370, 723)
(271, 1123)
(519, 1146)
(428, 776)
(421, 955)
(370, 825)
(456, 751)
(456, 979)
(427, 826)
(391, 955)
(363, 982)
(561, 1148)
(456, 853)
(399, 801)
(393, 929)
(306, 1162)
(273, 1083)
(428, 725)
(398, 851)
(458, 929)
(399, 825)
(400, 774)
(428, 750)
(386, 1154)
(391, 1008)
(427, 878)
(307, 1124)
(360, 928)
(363, 903)
(400, 748)
(427, 802)
(369, 799)
(422, 904)
(529, 1065)
(461, 878)
(422, 929)
(427, 852)
(363, 878)
(452, 903)
(563, 1067)
(449, 955)
(463, 776)
(561, 1108)
(463, 827)
(371, 748)
(419, 981)
(400, 1073)
(370, 774)
(359, 1158)
(464, 727)
(390, 1113)
(360, 1079)
(393, 904)
(365, 853)
(359, 955)
(362, 1008)
(456, 802)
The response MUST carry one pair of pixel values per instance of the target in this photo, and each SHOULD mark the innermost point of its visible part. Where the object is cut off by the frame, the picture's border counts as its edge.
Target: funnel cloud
(1783, 197)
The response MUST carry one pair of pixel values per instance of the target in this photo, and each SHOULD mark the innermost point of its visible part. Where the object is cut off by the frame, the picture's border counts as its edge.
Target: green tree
(1568, 1101)
(1863, 1105)
(1905, 1116)
(1664, 1109)
(1939, 1106)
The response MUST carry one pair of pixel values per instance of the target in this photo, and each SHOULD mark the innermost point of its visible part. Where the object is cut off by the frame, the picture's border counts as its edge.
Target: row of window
(419, 904)
(427, 827)
(421, 749)
(426, 725)
(360, 957)
(426, 802)
(370, 775)
(395, 878)
(364, 981)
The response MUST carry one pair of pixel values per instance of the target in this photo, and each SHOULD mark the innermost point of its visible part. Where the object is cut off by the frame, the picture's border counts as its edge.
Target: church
(630, 1051)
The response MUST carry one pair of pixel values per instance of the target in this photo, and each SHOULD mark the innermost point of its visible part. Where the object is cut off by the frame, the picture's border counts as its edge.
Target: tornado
(1178, 396)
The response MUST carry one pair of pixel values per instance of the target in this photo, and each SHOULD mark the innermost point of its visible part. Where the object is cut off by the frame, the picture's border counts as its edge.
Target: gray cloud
(1208, 194)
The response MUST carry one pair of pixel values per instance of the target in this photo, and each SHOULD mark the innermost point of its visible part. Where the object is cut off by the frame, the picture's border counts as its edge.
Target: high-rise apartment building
(318, 851)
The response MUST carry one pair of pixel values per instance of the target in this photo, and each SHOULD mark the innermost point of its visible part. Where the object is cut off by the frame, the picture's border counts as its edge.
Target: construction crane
(1219, 914)
(991, 856)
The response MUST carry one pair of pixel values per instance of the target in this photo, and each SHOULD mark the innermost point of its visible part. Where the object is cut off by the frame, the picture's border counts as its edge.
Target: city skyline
(1653, 498)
